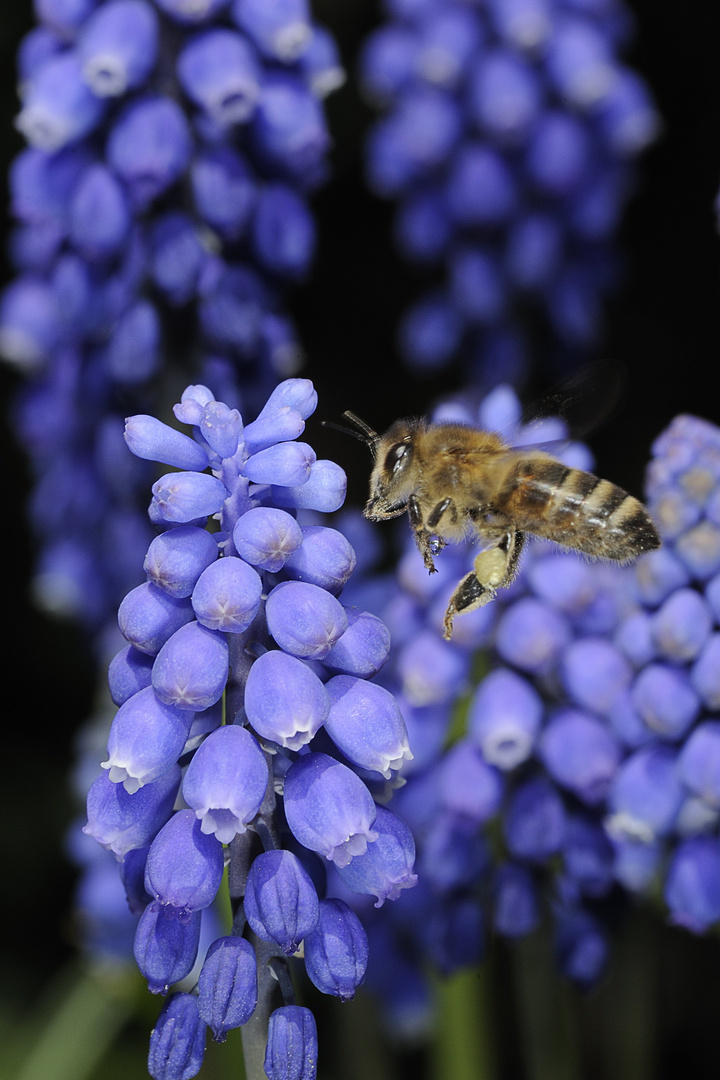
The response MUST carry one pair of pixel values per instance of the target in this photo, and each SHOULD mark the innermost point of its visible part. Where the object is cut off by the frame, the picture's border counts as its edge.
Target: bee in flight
(457, 482)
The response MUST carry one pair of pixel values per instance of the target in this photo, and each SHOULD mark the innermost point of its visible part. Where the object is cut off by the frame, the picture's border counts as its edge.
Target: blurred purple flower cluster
(161, 210)
(666, 807)
(245, 676)
(566, 741)
(508, 141)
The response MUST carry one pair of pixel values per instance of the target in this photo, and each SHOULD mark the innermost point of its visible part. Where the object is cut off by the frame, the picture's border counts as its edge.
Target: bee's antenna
(360, 430)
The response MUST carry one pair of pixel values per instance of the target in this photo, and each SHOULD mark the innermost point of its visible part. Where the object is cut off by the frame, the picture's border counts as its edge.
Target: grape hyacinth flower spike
(173, 147)
(589, 751)
(239, 654)
(663, 804)
(524, 778)
(507, 140)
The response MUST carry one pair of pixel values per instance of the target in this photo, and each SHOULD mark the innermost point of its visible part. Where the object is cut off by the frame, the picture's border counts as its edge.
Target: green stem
(464, 1047)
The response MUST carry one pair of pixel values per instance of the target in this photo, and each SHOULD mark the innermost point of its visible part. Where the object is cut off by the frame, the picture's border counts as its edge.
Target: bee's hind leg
(470, 594)
(494, 569)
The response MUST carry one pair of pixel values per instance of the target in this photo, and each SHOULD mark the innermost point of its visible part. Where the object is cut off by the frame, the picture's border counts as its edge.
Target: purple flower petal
(183, 497)
(281, 903)
(148, 617)
(505, 717)
(386, 868)
(149, 147)
(580, 753)
(177, 1042)
(191, 669)
(176, 559)
(219, 71)
(121, 822)
(227, 595)
(468, 785)
(118, 46)
(99, 214)
(281, 30)
(366, 724)
(292, 1046)
(226, 781)
(286, 464)
(535, 821)
(146, 739)
(59, 108)
(265, 537)
(166, 946)
(328, 808)
(646, 795)
(336, 952)
(305, 620)
(184, 865)
(151, 439)
(692, 888)
(129, 671)
(228, 985)
(324, 558)
(324, 489)
(284, 700)
(364, 647)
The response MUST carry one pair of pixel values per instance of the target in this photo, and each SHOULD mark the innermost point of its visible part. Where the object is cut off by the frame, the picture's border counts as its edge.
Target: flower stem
(464, 1048)
(254, 1032)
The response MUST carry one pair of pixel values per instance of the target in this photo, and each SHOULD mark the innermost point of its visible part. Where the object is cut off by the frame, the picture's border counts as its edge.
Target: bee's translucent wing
(584, 402)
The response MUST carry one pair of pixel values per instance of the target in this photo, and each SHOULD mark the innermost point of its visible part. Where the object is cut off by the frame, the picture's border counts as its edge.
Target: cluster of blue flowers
(245, 676)
(508, 142)
(665, 804)
(161, 209)
(566, 740)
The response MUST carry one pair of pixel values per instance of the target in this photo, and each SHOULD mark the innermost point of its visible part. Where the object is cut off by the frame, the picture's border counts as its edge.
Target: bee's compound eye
(396, 456)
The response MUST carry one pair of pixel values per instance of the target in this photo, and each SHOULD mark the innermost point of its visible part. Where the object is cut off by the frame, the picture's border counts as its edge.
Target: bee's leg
(516, 543)
(437, 513)
(470, 594)
(421, 533)
(494, 568)
(427, 539)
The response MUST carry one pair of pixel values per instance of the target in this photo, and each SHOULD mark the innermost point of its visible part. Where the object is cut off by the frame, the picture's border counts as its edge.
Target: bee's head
(393, 478)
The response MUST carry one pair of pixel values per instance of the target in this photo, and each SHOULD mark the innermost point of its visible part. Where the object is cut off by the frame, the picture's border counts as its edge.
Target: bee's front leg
(436, 514)
(423, 536)
(495, 568)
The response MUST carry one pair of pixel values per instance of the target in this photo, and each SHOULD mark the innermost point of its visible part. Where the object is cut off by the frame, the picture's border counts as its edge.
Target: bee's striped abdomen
(577, 509)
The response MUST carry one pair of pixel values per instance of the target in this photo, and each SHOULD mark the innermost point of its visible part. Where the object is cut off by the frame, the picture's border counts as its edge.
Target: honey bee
(459, 482)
